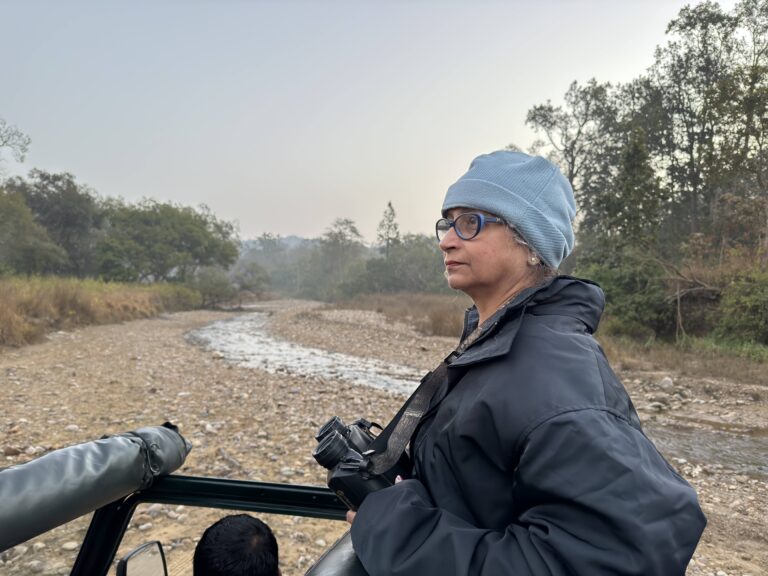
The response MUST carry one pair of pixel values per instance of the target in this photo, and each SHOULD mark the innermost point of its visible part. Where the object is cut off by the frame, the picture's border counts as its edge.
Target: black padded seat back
(339, 560)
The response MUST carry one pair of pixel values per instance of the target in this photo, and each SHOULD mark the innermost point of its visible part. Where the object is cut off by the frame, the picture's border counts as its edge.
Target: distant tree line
(338, 264)
(671, 176)
(50, 224)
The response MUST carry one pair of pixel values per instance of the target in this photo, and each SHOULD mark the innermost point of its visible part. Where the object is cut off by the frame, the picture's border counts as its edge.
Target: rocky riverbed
(258, 422)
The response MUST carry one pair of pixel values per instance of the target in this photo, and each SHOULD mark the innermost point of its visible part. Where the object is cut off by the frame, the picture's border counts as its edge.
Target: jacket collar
(562, 296)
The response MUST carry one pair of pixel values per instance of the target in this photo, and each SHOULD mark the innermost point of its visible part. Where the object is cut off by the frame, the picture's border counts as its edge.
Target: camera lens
(334, 423)
(331, 450)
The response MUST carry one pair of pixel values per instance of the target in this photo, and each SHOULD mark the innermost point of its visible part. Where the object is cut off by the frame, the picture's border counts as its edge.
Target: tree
(414, 265)
(153, 241)
(14, 140)
(249, 276)
(388, 232)
(25, 247)
(692, 73)
(214, 285)
(671, 169)
(576, 132)
(70, 212)
(626, 210)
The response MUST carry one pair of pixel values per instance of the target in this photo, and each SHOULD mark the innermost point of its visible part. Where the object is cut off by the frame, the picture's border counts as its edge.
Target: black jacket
(533, 462)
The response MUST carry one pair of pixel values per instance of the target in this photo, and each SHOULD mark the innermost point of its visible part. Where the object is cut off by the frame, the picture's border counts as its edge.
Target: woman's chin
(455, 281)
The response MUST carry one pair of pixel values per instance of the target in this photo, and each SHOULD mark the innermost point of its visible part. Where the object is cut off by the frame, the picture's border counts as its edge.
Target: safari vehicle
(112, 476)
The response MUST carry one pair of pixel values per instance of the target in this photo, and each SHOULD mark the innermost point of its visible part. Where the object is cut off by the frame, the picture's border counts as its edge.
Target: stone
(36, 566)
(666, 383)
(70, 546)
(656, 407)
(18, 551)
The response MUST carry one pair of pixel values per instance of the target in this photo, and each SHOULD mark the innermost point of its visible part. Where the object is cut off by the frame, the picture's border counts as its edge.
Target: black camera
(342, 449)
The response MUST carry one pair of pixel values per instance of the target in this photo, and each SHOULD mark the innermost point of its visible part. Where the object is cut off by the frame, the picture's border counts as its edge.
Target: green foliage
(69, 212)
(25, 247)
(728, 347)
(414, 265)
(671, 174)
(338, 265)
(636, 302)
(154, 241)
(744, 309)
(214, 286)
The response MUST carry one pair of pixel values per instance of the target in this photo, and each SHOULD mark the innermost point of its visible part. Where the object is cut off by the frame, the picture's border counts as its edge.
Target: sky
(284, 115)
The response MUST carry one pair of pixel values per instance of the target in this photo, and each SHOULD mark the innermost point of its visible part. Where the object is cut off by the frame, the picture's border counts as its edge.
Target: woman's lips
(451, 264)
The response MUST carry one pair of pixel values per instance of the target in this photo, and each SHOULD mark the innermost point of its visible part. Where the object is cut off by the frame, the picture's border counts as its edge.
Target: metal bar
(295, 500)
(110, 522)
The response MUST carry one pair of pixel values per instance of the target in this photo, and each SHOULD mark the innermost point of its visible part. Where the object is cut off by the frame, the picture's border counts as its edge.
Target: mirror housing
(146, 560)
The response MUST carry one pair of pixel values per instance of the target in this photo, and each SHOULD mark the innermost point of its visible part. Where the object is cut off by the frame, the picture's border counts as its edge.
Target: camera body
(342, 449)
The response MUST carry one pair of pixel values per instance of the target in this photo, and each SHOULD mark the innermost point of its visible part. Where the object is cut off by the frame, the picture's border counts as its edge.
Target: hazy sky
(285, 115)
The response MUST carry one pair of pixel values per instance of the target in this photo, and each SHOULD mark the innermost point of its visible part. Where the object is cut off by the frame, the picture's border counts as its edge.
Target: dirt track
(246, 423)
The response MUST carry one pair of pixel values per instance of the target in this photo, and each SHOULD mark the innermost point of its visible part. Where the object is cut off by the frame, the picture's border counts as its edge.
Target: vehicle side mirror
(146, 560)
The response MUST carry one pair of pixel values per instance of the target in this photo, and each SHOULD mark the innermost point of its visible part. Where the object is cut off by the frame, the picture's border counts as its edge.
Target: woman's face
(488, 265)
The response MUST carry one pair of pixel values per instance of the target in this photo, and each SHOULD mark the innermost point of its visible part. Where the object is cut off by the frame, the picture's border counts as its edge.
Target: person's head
(237, 545)
(508, 224)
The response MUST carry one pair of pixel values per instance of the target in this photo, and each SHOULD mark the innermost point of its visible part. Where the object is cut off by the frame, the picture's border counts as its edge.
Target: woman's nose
(450, 240)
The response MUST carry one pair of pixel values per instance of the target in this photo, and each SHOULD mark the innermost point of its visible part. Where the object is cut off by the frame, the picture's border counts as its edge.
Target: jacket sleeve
(592, 496)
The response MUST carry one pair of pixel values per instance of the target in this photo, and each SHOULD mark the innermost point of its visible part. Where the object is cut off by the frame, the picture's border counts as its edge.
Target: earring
(533, 260)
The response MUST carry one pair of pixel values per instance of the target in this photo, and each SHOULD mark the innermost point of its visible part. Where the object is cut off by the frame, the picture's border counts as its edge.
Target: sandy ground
(246, 423)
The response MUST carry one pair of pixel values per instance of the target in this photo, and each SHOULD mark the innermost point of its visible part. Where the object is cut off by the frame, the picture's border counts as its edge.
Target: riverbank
(249, 423)
(31, 307)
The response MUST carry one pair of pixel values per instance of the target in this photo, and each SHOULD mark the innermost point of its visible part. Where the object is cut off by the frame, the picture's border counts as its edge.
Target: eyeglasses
(467, 225)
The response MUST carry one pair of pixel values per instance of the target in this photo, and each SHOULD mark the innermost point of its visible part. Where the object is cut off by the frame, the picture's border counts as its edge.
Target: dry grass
(443, 315)
(430, 314)
(30, 307)
(696, 357)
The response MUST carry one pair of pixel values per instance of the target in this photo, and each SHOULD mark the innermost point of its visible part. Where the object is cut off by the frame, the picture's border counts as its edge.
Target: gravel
(247, 423)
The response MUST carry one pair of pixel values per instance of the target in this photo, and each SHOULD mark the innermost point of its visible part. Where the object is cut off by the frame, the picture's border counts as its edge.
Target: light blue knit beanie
(528, 192)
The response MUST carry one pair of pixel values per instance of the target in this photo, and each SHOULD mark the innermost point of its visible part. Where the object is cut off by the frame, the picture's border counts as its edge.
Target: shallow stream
(245, 341)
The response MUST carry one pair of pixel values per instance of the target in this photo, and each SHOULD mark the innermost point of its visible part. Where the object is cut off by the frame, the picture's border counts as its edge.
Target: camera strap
(389, 445)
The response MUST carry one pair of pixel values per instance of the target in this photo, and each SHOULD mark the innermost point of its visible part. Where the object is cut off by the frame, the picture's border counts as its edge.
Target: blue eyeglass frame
(482, 221)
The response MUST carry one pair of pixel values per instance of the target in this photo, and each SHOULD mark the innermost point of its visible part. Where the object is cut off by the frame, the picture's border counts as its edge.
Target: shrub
(636, 298)
(744, 309)
(214, 286)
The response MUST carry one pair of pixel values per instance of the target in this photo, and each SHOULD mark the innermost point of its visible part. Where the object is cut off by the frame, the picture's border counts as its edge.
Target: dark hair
(237, 545)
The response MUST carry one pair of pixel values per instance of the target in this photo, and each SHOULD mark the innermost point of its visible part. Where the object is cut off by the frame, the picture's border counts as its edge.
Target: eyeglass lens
(467, 226)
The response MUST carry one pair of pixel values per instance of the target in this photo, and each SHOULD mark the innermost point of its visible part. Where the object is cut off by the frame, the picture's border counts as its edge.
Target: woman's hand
(351, 513)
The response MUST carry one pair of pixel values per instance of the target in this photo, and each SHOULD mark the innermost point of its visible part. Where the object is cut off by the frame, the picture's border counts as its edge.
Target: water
(743, 453)
(245, 341)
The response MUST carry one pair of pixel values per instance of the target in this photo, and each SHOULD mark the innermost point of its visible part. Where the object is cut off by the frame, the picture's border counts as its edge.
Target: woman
(531, 459)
